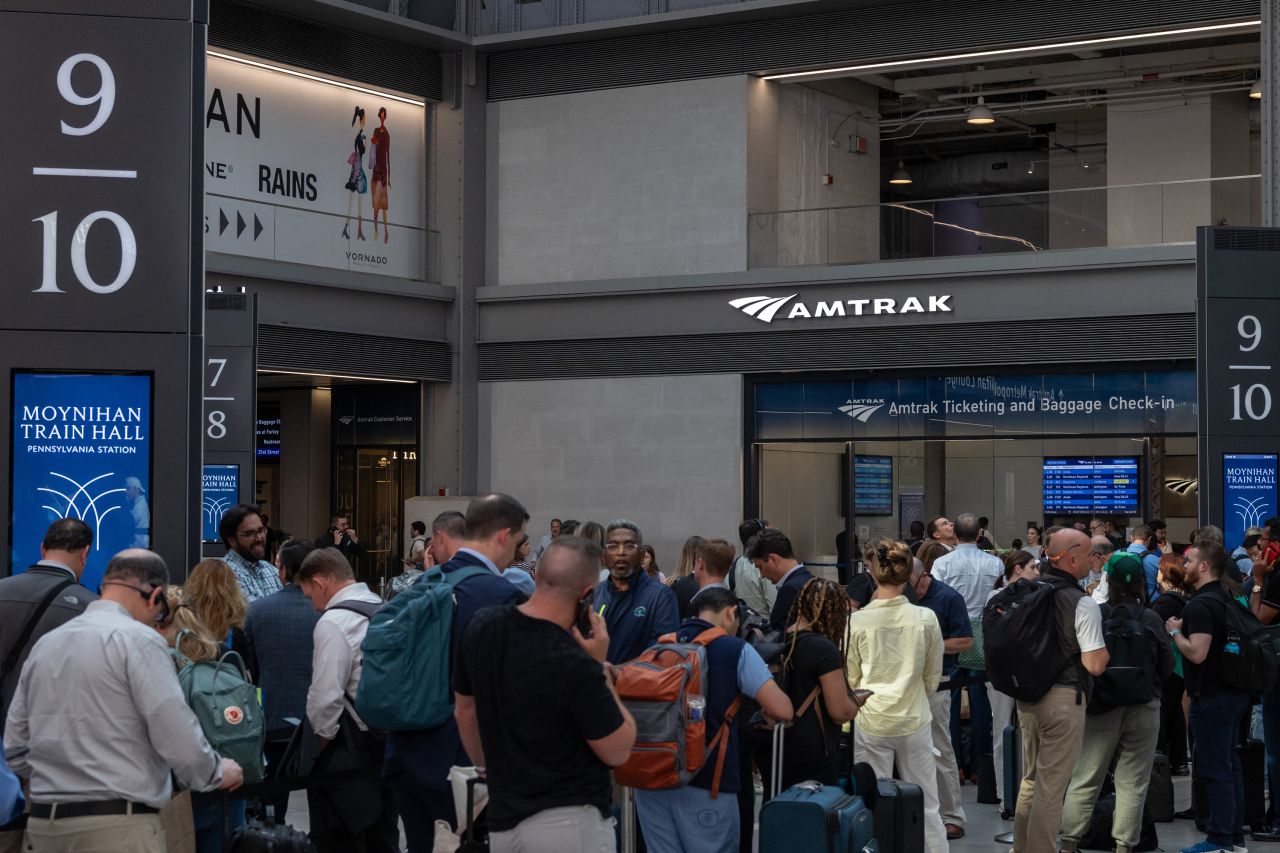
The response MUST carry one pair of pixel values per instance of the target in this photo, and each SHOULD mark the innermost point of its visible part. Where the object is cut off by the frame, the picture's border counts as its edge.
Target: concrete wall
(665, 452)
(799, 134)
(1195, 138)
(640, 181)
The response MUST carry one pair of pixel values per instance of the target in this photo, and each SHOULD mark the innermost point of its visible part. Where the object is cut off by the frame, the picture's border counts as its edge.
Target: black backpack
(1251, 651)
(1021, 639)
(1134, 652)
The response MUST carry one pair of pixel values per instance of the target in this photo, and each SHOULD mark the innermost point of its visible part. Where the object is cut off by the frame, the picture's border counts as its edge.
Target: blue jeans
(206, 814)
(1271, 737)
(979, 722)
(1215, 724)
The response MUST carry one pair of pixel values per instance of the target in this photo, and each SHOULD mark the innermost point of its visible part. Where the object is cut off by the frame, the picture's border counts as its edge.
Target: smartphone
(1273, 551)
(583, 622)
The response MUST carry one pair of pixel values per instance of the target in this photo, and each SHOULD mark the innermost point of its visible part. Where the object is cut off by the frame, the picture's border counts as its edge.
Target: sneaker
(1240, 848)
(1208, 847)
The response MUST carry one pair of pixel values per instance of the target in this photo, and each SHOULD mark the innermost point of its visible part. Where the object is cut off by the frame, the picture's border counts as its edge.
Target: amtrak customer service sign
(312, 172)
(81, 449)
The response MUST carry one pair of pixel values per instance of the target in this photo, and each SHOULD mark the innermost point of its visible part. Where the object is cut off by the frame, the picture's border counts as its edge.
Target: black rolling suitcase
(266, 836)
(1160, 793)
(1253, 760)
(1253, 764)
(899, 810)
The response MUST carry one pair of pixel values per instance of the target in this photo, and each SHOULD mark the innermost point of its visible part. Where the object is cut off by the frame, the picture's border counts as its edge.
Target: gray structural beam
(1270, 114)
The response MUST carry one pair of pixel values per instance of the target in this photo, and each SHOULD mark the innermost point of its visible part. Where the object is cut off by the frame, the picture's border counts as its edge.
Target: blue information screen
(221, 491)
(81, 448)
(873, 485)
(1083, 485)
(1248, 493)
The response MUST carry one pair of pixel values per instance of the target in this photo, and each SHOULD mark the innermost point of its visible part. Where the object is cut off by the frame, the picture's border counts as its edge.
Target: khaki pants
(1128, 733)
(948, 773)
(1052, 731)
(141, 833)
(571, 829)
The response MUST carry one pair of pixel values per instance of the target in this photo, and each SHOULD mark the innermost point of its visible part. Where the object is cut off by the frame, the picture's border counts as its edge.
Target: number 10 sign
(97, 212)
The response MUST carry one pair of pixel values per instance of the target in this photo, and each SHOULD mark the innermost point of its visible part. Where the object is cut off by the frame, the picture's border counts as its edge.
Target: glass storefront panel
(930, 446)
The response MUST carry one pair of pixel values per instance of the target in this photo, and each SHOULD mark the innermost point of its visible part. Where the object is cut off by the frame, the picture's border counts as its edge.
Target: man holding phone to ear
(548, 772)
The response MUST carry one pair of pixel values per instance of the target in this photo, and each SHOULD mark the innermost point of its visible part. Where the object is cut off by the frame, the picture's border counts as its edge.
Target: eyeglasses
(618, 547)
(164, 615)
(252, 534)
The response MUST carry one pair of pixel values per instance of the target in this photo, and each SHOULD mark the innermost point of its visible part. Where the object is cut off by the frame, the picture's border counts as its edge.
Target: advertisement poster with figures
(81, 449)
(221, 491)
(309, 172)
(1248, 493)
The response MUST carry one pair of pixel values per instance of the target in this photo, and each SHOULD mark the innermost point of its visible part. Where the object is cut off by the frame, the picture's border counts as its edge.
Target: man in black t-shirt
(548, 771)
(1216, 708)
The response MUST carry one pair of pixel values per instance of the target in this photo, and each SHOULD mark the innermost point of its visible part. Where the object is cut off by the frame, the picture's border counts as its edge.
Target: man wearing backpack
(1062, 649)
(418, 761)
(702, 816)
(349, 817)
(1123, 719)
(1217, 707)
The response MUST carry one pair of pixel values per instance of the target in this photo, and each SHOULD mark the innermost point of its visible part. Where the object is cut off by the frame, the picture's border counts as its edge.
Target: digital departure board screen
(1082, 485)
(873, 485)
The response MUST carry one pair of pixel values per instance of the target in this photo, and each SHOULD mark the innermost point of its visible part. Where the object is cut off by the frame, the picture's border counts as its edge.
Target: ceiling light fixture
(900, 177)
(1255, 91)
(279, 69)
(980, 114)
(923, 62)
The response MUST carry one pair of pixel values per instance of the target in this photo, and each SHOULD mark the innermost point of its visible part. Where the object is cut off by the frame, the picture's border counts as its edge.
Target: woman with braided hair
(813, 677)
(895, 650)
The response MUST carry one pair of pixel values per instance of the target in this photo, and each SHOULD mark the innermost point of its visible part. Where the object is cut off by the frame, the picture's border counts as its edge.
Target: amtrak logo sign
(766, 308)
(862, 410)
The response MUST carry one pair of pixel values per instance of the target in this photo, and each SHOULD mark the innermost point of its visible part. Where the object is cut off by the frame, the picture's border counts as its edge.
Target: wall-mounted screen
(221, 491)
(81, 448)
(1104, 485)
(1248, 493)
(873, 485)
(268, 430)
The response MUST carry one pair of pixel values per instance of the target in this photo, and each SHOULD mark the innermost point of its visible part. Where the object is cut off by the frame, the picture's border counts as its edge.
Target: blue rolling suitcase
(814, 817)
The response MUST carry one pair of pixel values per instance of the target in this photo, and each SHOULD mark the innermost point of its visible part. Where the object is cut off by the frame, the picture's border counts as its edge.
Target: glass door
(371, 484)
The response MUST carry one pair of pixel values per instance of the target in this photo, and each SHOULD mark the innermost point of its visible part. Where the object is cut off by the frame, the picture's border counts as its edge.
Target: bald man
(533, 655)
(1053, 727)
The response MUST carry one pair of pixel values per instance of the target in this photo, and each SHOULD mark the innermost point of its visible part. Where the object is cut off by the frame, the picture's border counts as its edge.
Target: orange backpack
(671, 736)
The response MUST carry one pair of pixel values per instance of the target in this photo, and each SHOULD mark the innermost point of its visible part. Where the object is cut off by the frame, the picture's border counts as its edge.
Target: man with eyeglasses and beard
(637, 609)
(245, 534)
(98, 725)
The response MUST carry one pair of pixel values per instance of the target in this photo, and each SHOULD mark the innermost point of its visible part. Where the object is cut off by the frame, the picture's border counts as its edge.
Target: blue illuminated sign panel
(873, 485)
(81, 448)
(221, 491)
(1081, 486)
(1248, 492)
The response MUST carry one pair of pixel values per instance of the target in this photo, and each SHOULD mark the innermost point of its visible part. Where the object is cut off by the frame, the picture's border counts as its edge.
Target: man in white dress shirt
(352, 816)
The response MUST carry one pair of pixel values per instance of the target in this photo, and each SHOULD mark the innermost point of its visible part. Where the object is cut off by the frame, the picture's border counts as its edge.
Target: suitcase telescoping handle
(779, 741)
(627, 807)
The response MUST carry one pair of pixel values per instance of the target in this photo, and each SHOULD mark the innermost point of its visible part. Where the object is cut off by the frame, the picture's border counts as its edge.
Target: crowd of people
(100, 731)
